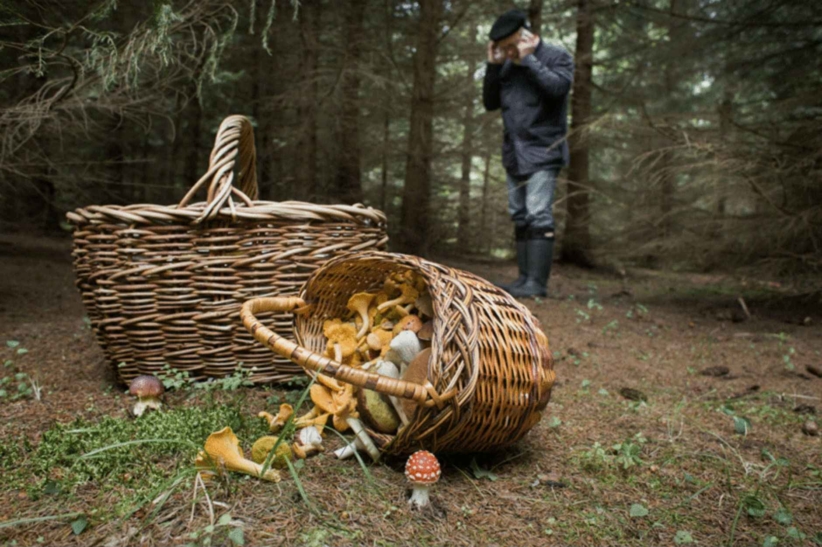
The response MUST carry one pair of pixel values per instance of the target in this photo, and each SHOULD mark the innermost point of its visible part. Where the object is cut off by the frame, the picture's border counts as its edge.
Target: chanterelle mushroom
(342, 335)
(359, 304)
(276, 423)
(422, 470)
(222, 450)
(148, 390)
(408, 295)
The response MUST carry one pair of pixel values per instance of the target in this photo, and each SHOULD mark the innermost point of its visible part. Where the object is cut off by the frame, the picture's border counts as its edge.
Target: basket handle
(424, 395)
(234, 138)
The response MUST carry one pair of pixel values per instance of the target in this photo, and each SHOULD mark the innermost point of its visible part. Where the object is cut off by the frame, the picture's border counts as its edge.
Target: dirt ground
(599, 469)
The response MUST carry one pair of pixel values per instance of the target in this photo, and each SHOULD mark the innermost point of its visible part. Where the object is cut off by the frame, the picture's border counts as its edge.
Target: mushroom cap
(417, 373)
(409, 322)
(422, 468)
(426, 332)
(146, 386)
(361, 300)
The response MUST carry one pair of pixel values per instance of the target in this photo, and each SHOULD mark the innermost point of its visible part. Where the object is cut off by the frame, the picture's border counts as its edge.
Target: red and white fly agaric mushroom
(422, 470)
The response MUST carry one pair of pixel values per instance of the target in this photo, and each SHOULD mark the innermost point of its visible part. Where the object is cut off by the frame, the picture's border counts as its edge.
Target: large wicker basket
(490, 373)
(163, 285)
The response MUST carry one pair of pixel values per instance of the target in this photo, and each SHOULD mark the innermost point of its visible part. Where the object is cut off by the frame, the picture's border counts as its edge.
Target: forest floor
(706, 460)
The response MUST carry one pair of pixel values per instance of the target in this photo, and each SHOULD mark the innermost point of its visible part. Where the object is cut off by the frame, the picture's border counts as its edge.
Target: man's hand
(527, 45)
(495, 56)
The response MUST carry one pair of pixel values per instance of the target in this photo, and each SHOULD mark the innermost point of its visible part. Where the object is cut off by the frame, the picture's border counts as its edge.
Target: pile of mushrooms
(388, 332)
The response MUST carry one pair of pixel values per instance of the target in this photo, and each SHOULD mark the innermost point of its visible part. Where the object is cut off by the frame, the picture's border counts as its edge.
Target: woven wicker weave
(164, 284)
(490, 373)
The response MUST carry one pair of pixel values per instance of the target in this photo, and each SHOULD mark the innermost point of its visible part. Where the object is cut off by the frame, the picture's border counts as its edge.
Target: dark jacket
(534, 100)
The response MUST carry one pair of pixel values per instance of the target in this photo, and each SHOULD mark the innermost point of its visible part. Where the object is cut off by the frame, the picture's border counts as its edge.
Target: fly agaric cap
(148, 390)
(422, 470)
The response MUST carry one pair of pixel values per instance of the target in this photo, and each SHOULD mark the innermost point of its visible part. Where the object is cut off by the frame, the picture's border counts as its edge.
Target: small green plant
(627, 452)
(786, 358)
(19, 386)
(612, 326)
(637, 310)
(594, 458)
(213, 534)
(179, 379)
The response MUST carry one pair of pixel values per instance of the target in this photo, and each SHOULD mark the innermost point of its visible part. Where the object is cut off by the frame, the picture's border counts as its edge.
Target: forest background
(696, 124)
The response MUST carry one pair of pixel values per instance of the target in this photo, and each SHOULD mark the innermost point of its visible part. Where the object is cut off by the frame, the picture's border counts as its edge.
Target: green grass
(112, 452)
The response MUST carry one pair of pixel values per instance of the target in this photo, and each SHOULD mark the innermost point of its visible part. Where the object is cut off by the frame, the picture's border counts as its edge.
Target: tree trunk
(535, 16)
(414, 237)
(576, 246)
(486, 179)
(386, 140)
(464, 213)
(348, 183)
(667, 177)
(309, 15)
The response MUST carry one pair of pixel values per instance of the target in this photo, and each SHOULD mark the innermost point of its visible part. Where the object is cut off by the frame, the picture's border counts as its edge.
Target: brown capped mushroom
(417, 373)
(148, 390)
(409, 322)
(426, 332)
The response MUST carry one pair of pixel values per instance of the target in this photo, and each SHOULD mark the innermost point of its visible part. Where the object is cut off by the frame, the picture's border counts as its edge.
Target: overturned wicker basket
(163, 285)
(490, 373)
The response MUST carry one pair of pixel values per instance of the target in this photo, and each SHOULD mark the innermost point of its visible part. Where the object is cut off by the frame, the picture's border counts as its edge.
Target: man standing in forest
(530, 80)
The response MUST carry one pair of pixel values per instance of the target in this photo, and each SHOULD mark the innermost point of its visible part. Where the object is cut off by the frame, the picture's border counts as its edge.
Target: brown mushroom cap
(146, 386)
(422, 468)
(417, 372)
(409, 322)
(426, 332)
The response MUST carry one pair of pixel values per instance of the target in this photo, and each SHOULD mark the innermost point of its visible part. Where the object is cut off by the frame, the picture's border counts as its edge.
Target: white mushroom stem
(362, 436)
(144, 403)
(349, 450)
(389, 369)
(419, 495)
(366, 323)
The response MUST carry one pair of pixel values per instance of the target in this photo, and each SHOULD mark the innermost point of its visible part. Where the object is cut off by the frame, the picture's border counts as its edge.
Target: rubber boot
(522, 260)
(540, 256)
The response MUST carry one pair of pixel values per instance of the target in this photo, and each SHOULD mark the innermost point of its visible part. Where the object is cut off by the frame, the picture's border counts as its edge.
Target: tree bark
(464, 212)
(348, 183)
(535, 15)
(414, 237)
(309, 15)
(667, 179)
(486, 179)
(576, 246)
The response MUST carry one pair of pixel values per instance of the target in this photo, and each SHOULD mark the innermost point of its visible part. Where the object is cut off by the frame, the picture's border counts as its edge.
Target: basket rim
(298, 211)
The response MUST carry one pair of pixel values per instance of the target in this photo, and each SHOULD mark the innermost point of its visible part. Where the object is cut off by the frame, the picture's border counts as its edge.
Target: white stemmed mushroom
(308, 442)
(404, 347)
(389, 369)
(148, 390)
(422, 470)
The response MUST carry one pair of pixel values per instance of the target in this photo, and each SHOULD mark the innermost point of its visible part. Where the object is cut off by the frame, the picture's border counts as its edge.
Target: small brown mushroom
(148, 390)
(409, 322)
(426, 332)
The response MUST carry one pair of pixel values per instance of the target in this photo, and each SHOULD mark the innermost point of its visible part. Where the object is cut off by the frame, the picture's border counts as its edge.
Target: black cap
(507, 24)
